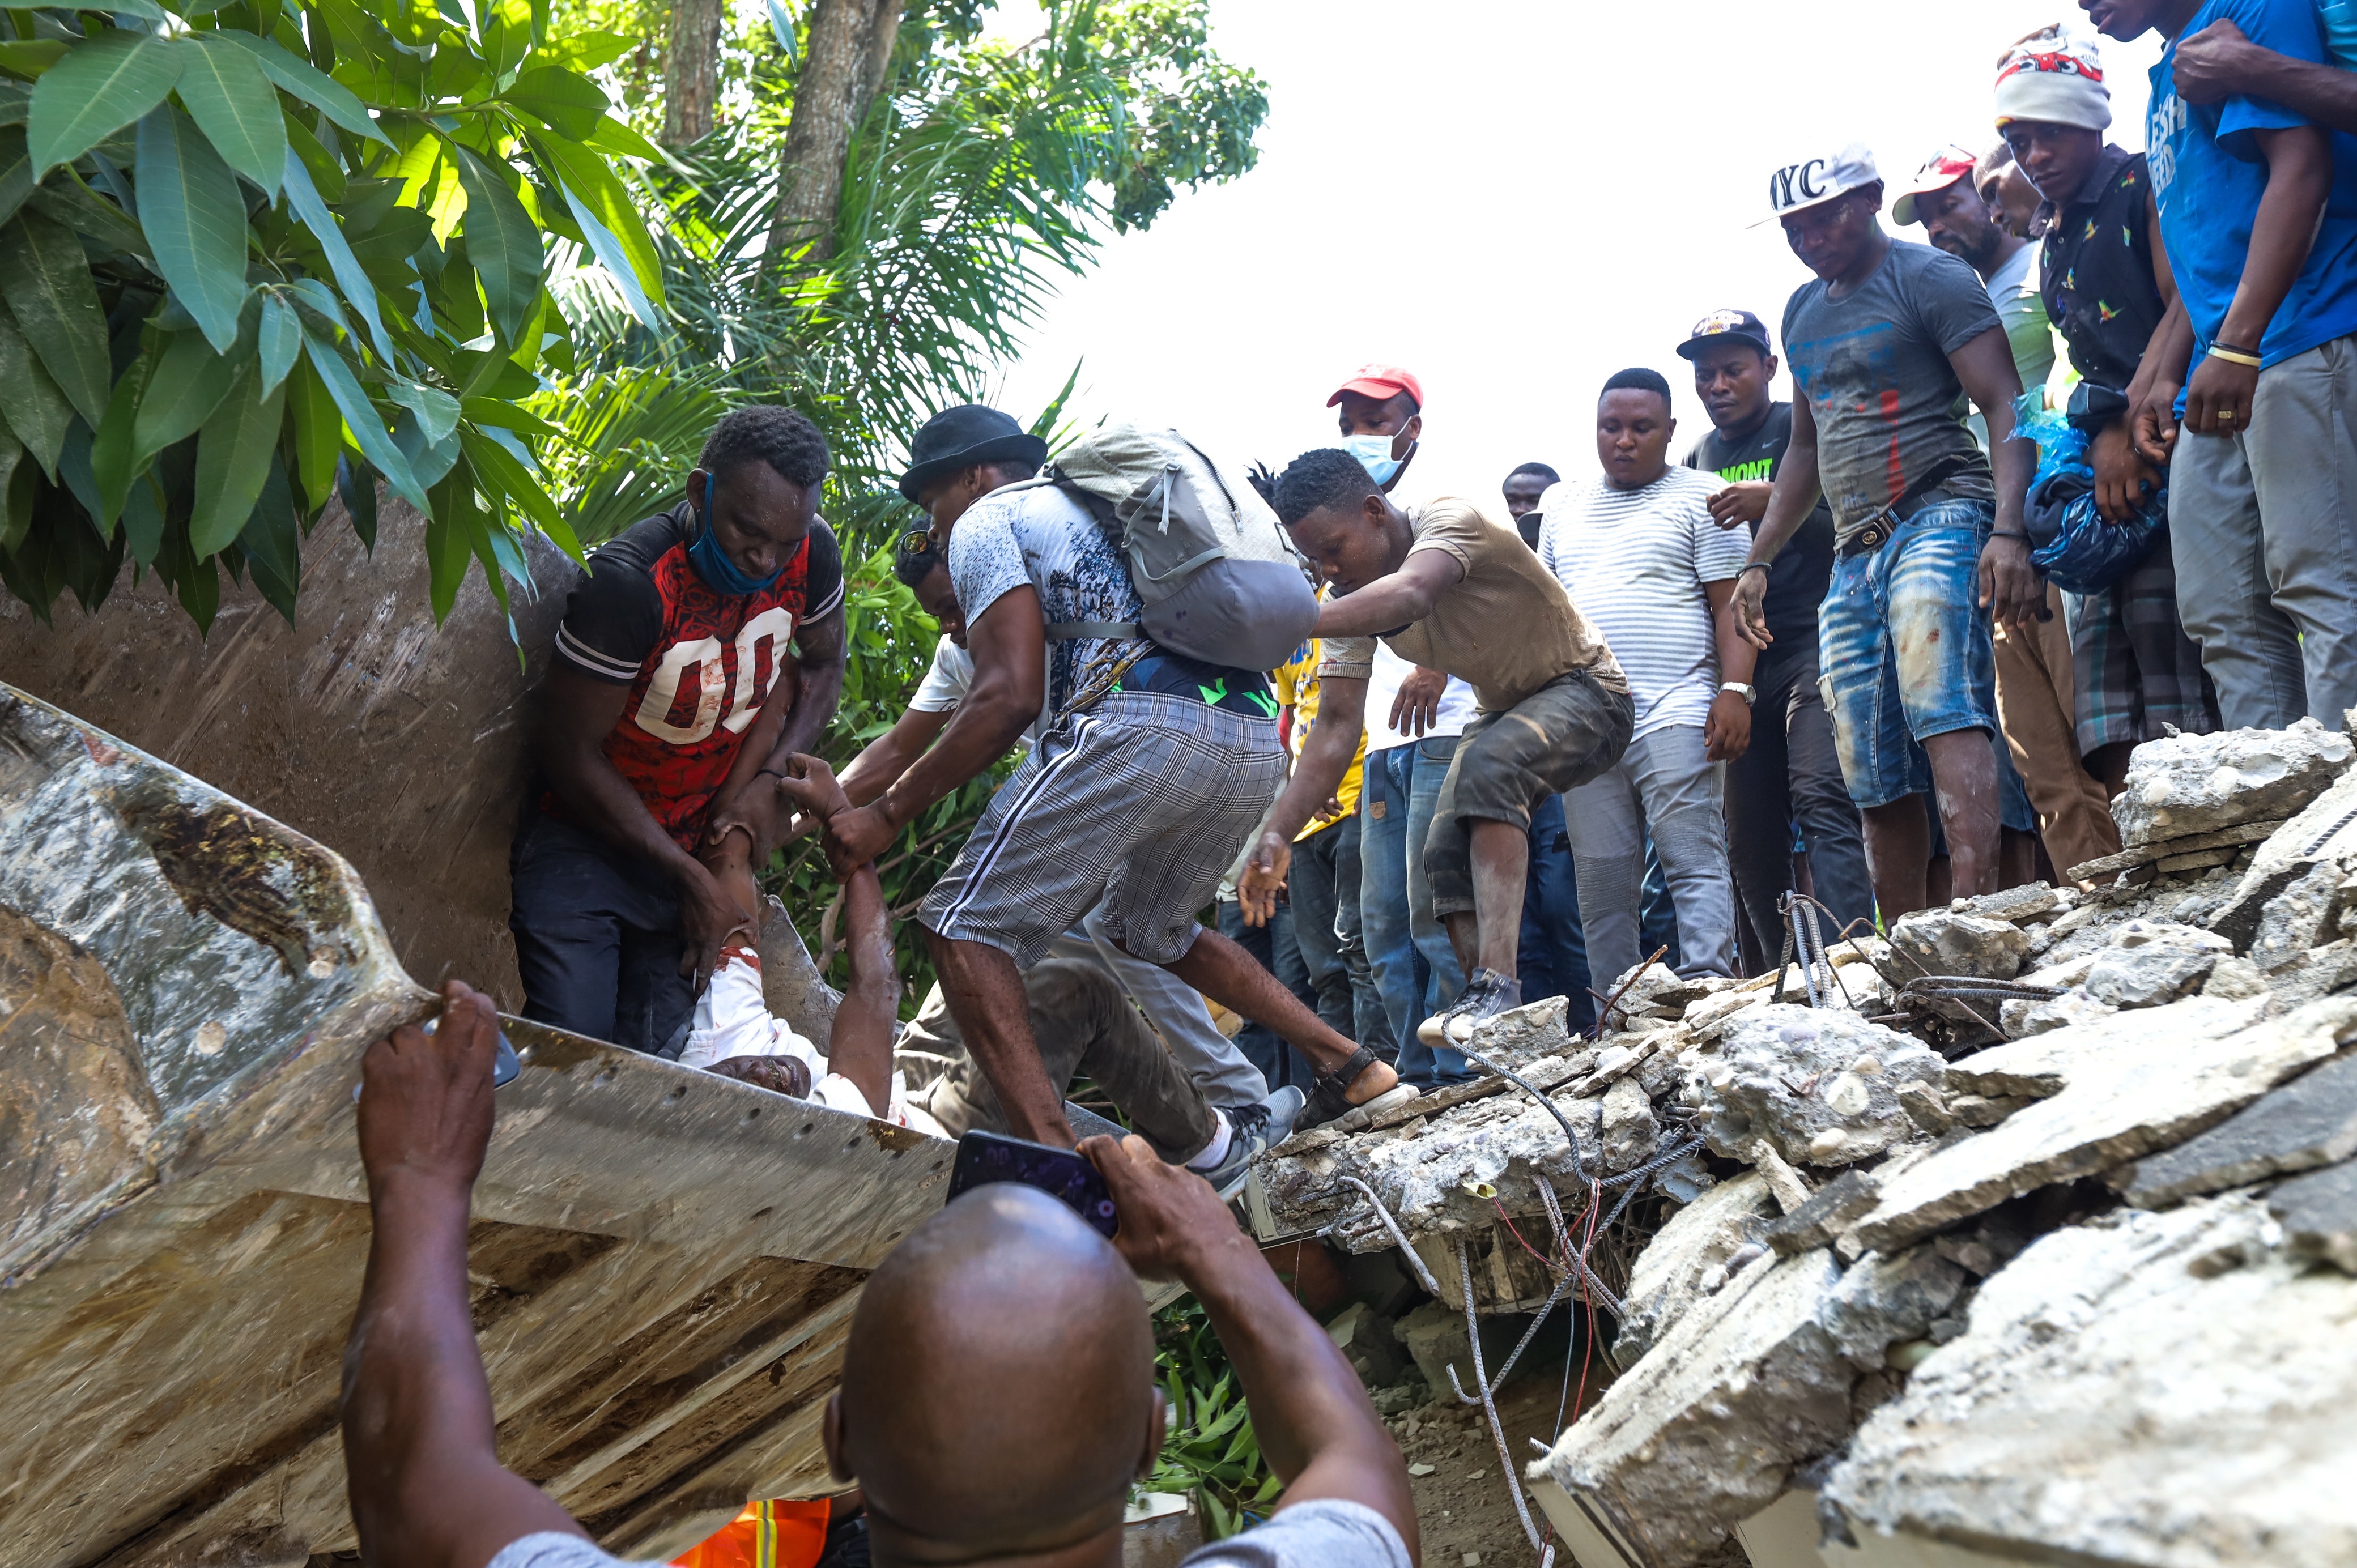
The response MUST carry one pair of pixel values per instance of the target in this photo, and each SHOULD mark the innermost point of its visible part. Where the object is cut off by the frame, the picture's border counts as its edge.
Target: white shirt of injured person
(733, 1019)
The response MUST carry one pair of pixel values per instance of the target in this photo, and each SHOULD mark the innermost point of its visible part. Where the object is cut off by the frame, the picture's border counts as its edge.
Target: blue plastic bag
(2077, 550)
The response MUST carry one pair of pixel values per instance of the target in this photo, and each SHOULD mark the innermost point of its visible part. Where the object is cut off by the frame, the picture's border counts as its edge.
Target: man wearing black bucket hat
(1133, 802)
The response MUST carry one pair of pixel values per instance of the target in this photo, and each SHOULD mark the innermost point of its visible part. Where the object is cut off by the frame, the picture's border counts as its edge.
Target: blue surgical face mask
(721, 575)
(1375, 455)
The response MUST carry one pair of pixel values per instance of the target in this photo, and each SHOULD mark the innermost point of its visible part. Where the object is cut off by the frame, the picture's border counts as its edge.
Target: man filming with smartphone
(997, 1396)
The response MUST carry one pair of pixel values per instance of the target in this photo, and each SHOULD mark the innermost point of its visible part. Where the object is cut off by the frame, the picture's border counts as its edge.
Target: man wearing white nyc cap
(1928, 535)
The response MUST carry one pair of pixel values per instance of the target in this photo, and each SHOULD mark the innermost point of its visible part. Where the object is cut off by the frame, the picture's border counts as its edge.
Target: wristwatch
(1749, 694)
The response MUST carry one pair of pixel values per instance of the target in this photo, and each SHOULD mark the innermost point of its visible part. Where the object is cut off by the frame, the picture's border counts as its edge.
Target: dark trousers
(1324, 888)
(597, 938)
(1554, 953)
(1794, 772)
(1273, 948)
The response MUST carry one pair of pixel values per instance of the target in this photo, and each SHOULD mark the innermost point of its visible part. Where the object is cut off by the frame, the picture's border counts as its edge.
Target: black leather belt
(1877, 534)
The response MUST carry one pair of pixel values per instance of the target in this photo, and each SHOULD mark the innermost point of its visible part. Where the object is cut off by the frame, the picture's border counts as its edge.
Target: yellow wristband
(2232, 358)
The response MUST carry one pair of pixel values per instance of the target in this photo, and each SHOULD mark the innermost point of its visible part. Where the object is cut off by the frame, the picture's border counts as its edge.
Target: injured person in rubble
(732, 1031)
(997, 1397)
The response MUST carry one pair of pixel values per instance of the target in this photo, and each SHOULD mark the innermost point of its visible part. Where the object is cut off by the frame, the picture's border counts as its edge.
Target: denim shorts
(1906, 651)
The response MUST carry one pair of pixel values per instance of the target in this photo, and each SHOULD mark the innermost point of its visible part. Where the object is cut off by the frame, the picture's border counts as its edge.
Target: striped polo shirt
(1636, 560)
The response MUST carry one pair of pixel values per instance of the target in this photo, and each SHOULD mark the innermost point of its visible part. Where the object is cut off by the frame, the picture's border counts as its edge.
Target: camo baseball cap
(1813, 182)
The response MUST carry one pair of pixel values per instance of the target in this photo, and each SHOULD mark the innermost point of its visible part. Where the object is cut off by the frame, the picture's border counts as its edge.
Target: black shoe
(1486, 995)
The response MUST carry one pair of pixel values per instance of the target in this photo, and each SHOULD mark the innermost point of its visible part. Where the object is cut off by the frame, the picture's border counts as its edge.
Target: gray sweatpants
(1085, 1027)
(1663, 785)
(2265, 528)
(1176, 1009)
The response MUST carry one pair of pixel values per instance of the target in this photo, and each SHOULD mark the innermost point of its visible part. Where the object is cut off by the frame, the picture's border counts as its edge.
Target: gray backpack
(1217, 578)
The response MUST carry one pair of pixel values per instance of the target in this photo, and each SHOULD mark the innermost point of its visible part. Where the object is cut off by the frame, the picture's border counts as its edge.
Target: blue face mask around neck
(712, 563)
(1375, 455)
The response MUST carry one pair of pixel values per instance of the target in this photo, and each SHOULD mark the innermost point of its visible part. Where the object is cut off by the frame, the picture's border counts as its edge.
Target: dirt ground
(1463, 1507)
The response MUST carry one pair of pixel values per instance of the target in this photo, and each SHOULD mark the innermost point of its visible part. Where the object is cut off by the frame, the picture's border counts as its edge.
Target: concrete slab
(2309, 1121)
(2125, 1094)
(1705, 1431)
(2168, 1391)
(186, 987)
(1667, 1277)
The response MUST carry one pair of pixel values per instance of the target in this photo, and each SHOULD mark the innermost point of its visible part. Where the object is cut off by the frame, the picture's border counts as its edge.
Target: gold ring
(2226, 414)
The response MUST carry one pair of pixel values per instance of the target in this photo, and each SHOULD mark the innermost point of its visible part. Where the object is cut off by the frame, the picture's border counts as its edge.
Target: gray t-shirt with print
(1327, 1533)
(1874, 366)
(1039, 536)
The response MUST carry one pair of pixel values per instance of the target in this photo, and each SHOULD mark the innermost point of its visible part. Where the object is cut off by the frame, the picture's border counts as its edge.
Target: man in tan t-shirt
(1447, 588)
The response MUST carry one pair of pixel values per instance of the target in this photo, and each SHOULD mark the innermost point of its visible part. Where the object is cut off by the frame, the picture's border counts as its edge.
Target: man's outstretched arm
(421, 1464)
(1325, 758)
(1309, 1409)
(1009, 642)
(860, 1049)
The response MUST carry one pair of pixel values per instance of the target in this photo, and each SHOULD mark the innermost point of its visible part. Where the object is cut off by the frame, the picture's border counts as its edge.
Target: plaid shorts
(1141, 801)
(2135, 667)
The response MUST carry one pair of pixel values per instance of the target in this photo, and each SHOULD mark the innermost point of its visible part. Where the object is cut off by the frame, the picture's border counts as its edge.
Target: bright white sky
(1514, 199)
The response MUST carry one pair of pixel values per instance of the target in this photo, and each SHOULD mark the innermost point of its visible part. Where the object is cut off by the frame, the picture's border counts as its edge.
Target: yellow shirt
(1296, 688)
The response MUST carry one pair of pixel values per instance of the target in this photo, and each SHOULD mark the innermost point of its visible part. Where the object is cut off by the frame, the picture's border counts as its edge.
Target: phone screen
(1064, 1174)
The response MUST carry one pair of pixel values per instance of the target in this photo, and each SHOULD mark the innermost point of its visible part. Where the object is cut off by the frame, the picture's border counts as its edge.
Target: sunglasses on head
(916, 539)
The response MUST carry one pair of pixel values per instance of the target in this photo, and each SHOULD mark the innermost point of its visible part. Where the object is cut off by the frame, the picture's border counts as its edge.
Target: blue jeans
(1415, 967)
(1906, 649)
(1554, 947)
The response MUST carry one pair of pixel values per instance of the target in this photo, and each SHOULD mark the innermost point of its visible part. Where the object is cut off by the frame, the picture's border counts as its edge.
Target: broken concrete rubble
(2319, 1215)
(2326, 829)
(2161, 1389)
(2194, 784)
(1880, 1302)
(2139, 1085)
(1821, 1086)
(1949, 941)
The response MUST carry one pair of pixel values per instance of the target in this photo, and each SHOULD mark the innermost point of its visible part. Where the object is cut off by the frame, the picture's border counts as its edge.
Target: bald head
(998, 1391)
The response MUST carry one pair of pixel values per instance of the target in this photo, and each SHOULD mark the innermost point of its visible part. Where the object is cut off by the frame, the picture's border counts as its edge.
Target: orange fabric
(777, 1533)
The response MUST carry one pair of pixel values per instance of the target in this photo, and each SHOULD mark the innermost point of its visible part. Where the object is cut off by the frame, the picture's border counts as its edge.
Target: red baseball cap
(1942, 169)
(1382, 383)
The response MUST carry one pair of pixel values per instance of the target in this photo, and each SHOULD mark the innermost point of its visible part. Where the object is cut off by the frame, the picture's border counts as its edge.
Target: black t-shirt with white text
(1798, 576)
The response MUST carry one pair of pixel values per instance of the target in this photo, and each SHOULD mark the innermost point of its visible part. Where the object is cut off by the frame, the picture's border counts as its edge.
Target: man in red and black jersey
(672, 692)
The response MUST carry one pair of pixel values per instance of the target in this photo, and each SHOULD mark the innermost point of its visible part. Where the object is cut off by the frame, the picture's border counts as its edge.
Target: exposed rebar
(1416, 1260)
(1488, 1404)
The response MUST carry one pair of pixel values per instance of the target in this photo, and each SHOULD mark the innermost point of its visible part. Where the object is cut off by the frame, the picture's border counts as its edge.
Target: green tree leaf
(358, 486)
(233, 453)
(272, 540)
(306, 81)
(227, 92)
(113, 464)
(503, 245)
(31, 57)
(35, 410)
(303, 199)
(367, 425)
(598, 199)
(319, 430)
(281, 340)
(45, 278)
(195, 218)
(65, 197)
(189, 383)
(103, 84)
(14, 522)
(571, 105)
(16, 172)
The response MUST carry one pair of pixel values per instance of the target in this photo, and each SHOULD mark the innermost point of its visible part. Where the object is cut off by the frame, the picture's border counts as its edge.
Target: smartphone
(505, 1064)
(1065, 1175)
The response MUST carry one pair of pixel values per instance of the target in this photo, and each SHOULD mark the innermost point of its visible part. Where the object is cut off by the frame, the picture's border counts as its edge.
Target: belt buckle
(1871, 536)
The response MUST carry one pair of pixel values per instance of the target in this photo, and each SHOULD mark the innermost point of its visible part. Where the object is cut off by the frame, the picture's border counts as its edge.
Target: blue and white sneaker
(1252, 1131)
